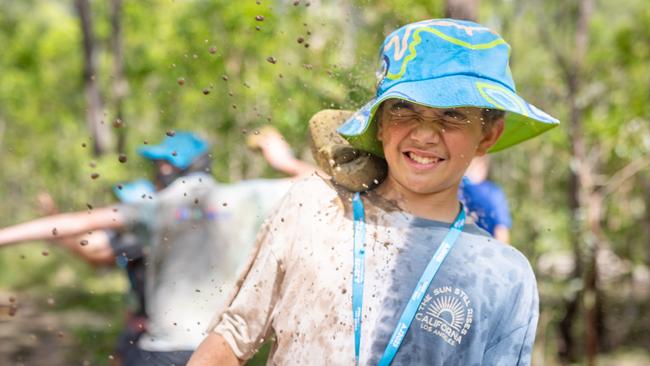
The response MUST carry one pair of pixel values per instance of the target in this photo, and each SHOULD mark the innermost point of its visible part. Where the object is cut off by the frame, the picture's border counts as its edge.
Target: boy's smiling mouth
(423, 160)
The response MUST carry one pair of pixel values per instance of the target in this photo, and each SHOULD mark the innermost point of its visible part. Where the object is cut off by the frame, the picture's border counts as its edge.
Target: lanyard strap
(418, 293)
(358, 270)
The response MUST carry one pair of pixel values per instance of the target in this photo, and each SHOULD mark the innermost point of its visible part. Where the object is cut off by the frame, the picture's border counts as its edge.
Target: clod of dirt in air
(234, 106)
(213, 50)
(206, 91)
(119, 186)
(258, 28)
(181, 81)
(271, 59)
(258, 2)
(122, 158)
(83, 242)
(231, 94)
(146, 142)
(170, 133)
(55, 232)
(45, 253)
(300, 40)
(94, 176)
(197, 290)
(118, 123)
(296, 3)
(196, 201)
(224, 77)
(92, 164)
(307, 3)
(306, 45)
(90, 207)
(174, 153)
(59, 334)
(12, 299)
(224, 204)
(13, 309)
(259, 18)
(83, 144)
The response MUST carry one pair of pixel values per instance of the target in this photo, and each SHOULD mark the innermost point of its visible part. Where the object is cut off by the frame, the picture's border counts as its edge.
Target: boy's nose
(427, 132)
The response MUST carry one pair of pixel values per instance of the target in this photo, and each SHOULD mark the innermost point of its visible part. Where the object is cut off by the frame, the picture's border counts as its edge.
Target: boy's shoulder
(317, 187)
(478, 244)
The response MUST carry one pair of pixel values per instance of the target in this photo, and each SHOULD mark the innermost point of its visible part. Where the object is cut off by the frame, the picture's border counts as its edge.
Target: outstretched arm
(278, 153)
(67, 224)
(94, 248)
(214, 351)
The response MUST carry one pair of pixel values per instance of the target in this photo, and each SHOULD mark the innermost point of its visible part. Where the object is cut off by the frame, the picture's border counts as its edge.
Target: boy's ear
(490, 136)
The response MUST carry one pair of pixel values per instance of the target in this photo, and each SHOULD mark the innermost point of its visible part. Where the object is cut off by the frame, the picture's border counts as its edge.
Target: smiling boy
(395, 275)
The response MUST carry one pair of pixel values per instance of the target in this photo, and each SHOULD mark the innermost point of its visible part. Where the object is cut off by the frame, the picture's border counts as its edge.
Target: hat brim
(523, 120)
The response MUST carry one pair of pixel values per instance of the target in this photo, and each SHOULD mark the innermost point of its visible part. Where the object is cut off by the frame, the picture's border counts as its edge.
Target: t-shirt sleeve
(246, 323)
(513, 343)
(139, 215)
(501, 209)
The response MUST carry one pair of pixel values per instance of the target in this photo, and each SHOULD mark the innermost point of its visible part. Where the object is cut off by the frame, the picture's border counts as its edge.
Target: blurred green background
(580, 195)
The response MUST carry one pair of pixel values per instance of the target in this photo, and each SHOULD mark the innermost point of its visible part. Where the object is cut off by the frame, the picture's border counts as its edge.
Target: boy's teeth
(421, 159)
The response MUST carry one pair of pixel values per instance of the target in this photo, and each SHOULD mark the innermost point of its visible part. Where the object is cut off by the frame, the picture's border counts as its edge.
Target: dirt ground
(34, 332)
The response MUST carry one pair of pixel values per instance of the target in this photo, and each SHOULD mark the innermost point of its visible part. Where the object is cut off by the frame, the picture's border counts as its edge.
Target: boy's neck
(439, 206)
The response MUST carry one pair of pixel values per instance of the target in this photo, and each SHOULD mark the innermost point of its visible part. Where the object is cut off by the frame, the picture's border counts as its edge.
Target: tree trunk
(120, 85)
(646, 191)
(586, 207)
(99, 130)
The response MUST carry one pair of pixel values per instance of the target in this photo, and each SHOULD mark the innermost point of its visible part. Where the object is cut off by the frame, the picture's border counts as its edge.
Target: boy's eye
(398, 106)
(453, 115)
(402, 109)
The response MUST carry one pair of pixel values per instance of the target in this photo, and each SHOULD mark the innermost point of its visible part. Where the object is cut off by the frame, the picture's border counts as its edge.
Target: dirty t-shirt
(202, 235)
(480, 309)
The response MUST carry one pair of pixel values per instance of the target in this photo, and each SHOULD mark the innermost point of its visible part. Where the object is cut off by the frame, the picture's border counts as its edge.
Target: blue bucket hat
(179, 150)
(133, 192)
(444, 63)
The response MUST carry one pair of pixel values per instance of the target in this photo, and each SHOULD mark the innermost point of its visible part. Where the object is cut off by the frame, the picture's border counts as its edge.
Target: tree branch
(625, 173)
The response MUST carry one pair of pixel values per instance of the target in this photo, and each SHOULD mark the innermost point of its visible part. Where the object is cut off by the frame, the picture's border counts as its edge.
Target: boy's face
(429, 149)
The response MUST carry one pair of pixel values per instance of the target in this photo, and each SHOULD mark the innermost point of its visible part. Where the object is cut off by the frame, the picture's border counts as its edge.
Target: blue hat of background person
(444, 63)
(134, 191)
(180, 149)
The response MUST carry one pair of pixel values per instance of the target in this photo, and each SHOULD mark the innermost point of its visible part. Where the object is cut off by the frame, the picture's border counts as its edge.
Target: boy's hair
(490, 116)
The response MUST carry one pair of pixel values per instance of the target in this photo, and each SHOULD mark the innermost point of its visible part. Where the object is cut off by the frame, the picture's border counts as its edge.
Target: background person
(201, 232)
(125, 249)
(485, 200)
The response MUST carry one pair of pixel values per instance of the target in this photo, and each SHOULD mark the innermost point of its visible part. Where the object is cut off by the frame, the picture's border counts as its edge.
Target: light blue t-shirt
(480, 309)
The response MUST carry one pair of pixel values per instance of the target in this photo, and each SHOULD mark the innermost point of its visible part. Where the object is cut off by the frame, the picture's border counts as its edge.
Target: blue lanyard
(358, 271)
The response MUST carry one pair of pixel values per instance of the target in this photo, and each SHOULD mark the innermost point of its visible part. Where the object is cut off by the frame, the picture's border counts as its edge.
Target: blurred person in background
(485, 201)
(198, 233)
